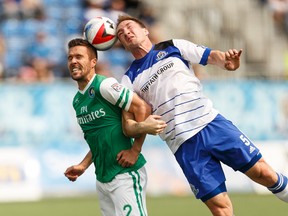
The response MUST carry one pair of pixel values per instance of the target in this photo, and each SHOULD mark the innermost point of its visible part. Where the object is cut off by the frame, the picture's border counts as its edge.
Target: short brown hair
(82, 42)
(122, 18)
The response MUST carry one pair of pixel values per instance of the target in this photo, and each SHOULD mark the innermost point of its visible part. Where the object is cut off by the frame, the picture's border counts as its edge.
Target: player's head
(122, 18)
(81, 59)
(85, 43)
(131, 31)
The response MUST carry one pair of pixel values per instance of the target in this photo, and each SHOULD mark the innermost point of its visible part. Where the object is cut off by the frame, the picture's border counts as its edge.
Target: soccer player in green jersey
(99, 104)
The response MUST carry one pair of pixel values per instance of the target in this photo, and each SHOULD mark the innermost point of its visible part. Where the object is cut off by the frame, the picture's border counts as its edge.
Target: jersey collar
(88, 85)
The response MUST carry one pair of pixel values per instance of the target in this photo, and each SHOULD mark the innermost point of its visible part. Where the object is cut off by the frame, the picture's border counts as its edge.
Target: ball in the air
(100, 32)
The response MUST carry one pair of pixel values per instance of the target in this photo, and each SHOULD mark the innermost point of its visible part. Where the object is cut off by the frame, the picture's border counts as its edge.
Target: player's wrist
(136, 149)
(83, 167)
(140, 127)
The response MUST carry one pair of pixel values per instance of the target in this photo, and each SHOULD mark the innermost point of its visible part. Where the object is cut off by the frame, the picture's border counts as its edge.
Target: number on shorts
(245, 140)
(129, 207)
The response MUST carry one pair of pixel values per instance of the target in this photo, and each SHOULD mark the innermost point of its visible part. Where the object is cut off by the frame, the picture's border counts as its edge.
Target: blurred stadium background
(39, 136)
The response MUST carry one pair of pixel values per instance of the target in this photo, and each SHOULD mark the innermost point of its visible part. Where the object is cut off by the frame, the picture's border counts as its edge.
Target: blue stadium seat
(13, 60)
(29, 27)
(55, 12)
(15, 43)
(11, 27)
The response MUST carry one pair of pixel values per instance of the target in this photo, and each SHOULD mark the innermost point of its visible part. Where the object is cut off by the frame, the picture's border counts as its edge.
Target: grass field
(244, 205)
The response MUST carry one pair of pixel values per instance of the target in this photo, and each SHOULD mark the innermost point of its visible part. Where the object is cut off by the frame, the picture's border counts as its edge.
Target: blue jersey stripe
(171, 99)
(193, 119)
(191, 110)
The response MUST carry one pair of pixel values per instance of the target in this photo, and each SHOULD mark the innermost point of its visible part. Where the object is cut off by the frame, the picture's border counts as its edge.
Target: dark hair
(82, 42)
(122, 18)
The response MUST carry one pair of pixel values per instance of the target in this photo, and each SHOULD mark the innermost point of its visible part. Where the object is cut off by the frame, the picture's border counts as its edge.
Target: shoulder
(183, 43)
(110, 83)
(174, 44)
(163, 44)
(104, 82)
(110, 89)
(100, 78)
(116, 93)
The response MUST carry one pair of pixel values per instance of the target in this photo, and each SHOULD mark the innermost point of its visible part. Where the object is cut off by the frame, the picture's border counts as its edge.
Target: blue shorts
(200, 156)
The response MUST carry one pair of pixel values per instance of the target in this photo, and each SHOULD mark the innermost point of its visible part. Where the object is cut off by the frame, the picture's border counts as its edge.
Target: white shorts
(125, 195)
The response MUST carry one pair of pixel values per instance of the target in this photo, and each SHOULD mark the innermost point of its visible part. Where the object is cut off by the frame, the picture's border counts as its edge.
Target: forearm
(87, 161)
(73, 172)
(152, 125)
(133, 121)
(133, 128)
(138, 143)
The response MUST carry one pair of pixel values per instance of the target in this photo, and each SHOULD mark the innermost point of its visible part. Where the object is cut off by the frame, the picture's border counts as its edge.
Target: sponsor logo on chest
(156, 75)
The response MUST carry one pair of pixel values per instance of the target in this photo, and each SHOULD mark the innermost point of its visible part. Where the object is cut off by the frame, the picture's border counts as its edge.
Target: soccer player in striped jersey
(98, 105)
(197, 134)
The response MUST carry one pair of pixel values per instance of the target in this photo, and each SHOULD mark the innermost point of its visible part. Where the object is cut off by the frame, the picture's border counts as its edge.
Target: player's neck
(82, 84)
(142, 50)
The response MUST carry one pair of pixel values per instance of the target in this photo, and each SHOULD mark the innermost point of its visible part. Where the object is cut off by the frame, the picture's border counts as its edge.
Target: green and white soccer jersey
(99, 113)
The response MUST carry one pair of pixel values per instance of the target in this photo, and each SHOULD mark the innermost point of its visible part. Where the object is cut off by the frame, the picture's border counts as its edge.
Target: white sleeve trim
(115, 93)
(189, 50)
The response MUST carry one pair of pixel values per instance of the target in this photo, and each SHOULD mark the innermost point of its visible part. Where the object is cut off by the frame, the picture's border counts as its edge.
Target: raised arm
(229, 60)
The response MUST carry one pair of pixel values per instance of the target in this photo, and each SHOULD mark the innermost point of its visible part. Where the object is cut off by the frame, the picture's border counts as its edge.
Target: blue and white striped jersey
(164, 78)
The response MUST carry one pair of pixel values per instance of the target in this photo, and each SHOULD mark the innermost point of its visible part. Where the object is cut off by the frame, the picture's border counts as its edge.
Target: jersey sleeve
(116, 94)
(195, 54)
(126, 82)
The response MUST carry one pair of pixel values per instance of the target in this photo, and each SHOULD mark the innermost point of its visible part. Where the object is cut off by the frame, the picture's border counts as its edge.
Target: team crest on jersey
(117, 87)
(91, 92)
(161, 55)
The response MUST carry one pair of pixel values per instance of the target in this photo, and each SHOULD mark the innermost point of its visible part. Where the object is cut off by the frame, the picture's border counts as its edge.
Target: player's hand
(127, 158)
(154, 125)
(73, 172)
(232, 59)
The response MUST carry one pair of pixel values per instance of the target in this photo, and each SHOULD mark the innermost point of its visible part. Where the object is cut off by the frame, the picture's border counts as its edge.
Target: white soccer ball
(100, 32)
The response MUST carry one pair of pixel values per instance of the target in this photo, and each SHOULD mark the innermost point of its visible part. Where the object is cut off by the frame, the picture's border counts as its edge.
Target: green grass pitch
(244, 205)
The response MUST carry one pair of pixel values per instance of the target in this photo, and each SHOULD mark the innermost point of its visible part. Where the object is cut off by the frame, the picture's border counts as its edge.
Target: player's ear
(94, 62)
(146, 31)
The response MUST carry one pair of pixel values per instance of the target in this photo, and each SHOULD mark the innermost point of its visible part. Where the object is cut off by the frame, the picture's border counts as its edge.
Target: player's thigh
(130, 195)
(106, 203)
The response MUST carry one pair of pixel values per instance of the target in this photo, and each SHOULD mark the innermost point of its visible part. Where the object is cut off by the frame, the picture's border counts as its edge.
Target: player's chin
(76, 76)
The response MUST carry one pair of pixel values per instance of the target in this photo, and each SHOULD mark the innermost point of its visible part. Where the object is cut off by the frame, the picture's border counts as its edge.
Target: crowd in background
(279, 11)
(34, 34)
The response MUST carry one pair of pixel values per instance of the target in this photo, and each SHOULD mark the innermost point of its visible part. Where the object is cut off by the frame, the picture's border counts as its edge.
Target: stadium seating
(218, 24)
